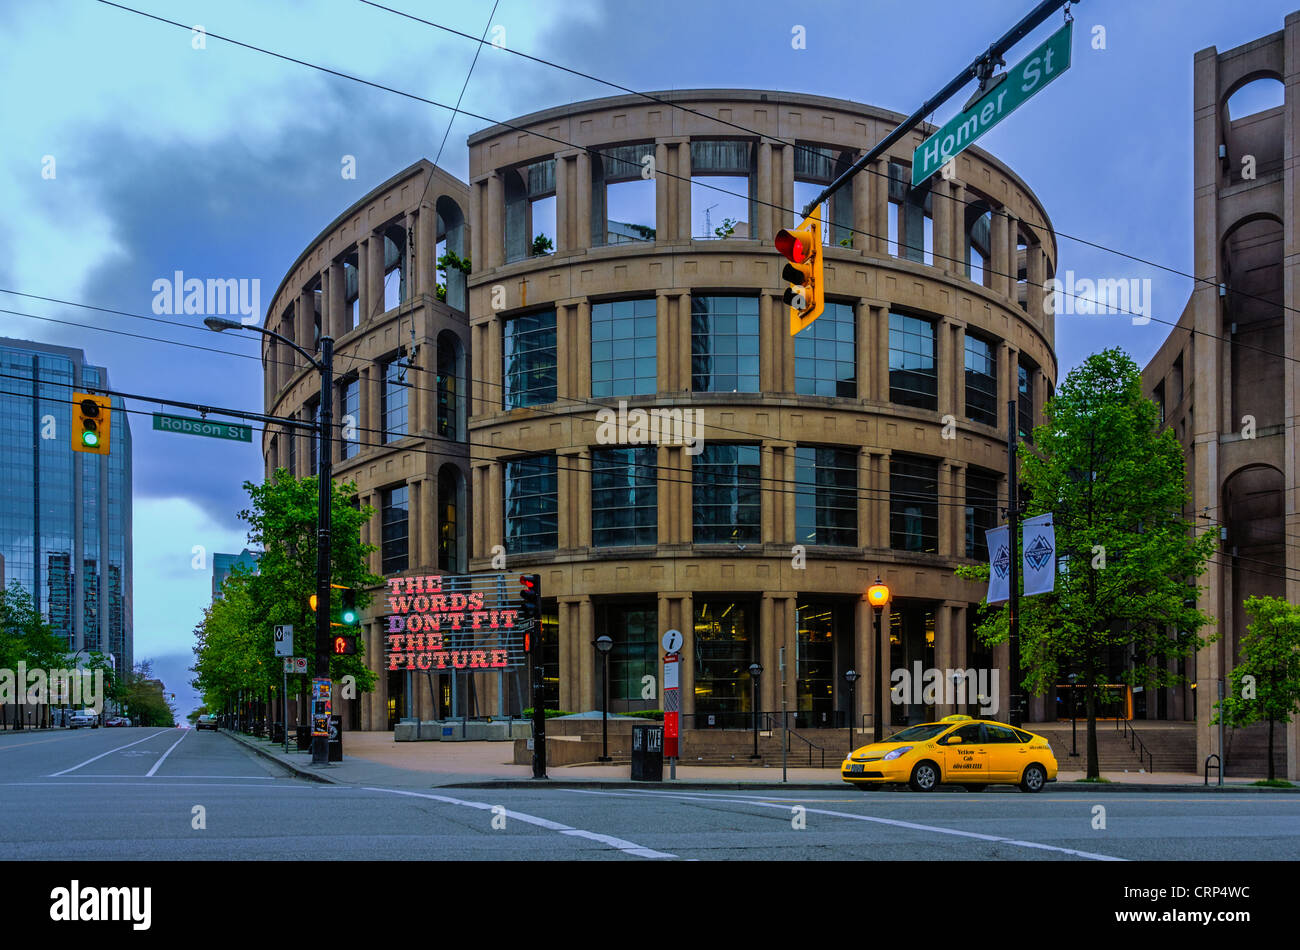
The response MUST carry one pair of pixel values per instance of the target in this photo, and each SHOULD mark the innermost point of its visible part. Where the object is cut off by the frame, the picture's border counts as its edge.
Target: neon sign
(457, 622)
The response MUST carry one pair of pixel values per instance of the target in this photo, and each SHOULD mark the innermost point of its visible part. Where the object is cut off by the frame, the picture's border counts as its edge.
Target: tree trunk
(1094, 769)
(1271, 773)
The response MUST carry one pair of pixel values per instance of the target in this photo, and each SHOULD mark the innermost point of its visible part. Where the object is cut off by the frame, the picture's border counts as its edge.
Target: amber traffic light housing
(91, 418)
(802, 247)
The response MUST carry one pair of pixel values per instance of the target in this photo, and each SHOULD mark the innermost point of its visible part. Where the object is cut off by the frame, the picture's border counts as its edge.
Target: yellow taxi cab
(956, 750)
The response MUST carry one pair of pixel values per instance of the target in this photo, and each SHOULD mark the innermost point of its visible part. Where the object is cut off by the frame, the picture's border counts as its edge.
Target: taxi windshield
(920, 733)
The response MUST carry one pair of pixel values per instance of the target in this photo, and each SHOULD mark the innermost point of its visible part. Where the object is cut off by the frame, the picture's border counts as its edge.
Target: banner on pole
(1038, 557)
(999, 564)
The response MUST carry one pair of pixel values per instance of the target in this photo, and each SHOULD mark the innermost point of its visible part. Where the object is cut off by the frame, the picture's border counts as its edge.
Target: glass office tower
(65, 516)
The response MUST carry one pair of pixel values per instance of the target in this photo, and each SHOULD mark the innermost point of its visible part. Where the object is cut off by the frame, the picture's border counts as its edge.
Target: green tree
(726, 229)
(27, 638)
(234, 652)
(450, 260)
(144, 698)
(1267, 677)
(1115, 486)
(542, 245)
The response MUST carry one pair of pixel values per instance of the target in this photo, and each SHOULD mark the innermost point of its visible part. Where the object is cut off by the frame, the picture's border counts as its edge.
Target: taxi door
(1007, 755)
(967, 758)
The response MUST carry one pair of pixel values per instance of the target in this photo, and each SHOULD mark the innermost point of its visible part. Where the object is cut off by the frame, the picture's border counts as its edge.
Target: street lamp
(852, 677)
(324, 366)
(755, 671)
(957, 677)
(1074, 719)
(604, 644)
(878, 597)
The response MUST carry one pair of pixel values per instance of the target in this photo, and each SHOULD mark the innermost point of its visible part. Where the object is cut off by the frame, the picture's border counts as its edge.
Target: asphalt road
(141, 793)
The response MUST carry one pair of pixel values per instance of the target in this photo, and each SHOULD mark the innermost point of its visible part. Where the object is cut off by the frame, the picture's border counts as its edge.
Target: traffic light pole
(980, 69)
(1013, 531)
(539, 713)
(319, 743)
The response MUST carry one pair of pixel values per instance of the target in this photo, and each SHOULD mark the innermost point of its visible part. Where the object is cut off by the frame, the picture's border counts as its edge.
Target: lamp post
(878, 597)
(604, 644)
(755, 671)
(852, 677)
(1074, 719)
(324, 366)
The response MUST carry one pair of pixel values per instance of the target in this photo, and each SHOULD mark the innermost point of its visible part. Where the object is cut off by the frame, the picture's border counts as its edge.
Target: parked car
(84, 718)
(956, 750)
(116, 722)
(207, 721)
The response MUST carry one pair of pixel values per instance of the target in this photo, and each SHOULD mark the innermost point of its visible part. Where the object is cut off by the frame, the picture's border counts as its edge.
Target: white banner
(1038, 556)
(999, 564)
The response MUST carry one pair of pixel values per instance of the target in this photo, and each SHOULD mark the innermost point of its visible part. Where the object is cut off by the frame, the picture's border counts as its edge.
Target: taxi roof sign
(956, 718)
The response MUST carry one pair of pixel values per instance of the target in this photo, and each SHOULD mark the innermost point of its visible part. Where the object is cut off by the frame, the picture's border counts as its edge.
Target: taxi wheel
(1034, 779)
(925, 777)
(975, 788)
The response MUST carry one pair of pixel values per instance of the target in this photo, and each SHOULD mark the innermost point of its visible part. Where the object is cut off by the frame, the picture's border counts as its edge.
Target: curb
(293, 767)
(706, 785)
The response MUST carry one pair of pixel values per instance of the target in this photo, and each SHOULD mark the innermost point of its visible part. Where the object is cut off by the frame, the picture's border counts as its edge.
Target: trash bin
(304, 738)
(277, 732)
(648, 753)
(336, 739)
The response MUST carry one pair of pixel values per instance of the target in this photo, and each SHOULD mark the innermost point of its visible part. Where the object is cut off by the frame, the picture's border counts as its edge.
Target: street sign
(672, 641)
(288, 664)
(213, 430)
(283, 636)
(671, 666)
(1023, 80)
(300, 664)
(672, 696)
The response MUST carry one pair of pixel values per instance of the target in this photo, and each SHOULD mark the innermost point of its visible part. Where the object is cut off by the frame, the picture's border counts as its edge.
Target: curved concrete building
(648, 437)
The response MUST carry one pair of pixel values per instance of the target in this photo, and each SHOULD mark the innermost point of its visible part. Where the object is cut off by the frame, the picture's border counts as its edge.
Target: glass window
(396, 386)
(981, 381)
(532, 520)
(826, 496)
(394, 514)
(724, 344)
(913, 377)
(981, 511)
(447, 385)
(1000, 734)
(623, 341)
(350, 416)
(351, 293)
(817, 623)
(724, 648)
(825, 361)
(624, 497)
(1025, 402)
(550, 657)
(448, 519)
(913, 504)
(529, 354)
(634, 630)
(726, 494)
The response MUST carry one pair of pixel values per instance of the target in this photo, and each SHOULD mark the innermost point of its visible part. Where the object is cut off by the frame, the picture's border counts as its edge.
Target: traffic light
(345, 645)
(91, 416)
(348, 613)
(530, 595)
(802, 247)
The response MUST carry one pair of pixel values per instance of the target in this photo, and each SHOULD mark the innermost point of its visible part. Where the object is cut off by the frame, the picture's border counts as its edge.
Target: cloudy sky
(225, 162)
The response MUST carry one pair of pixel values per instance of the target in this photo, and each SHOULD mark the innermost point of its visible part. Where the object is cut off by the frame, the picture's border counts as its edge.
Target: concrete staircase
(1172, 746)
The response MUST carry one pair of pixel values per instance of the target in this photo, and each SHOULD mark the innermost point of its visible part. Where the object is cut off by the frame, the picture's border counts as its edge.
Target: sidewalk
(373, 758)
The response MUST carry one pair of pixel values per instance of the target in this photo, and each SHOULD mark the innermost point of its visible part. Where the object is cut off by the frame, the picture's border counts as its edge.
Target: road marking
(251, 778)
(627, 847)
(149, 774)
(6, 746)
(912, 825)
(307, 786)
(102, 754)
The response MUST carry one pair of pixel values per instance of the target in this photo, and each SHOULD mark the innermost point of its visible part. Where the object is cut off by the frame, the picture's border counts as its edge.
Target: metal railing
(1135, 743)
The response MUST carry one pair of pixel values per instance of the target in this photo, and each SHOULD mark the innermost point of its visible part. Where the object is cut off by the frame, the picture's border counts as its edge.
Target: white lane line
(911, 825)
(311, 787)
(149, 774)
(627, 847)
(102, 754)
(246, 778)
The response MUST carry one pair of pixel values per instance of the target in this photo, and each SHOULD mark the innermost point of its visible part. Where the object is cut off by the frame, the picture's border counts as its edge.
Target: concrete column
(683, 189)
(375, 248)
(582, 200)
(941, 213)
(416, 507)
(581, 500)
(880, 382)
(864, 344)
(682, 471)
(337, 305)
(305, 318)
(587, 653)
(957, 201)
(478, 489)
(945, 524)
(564, 197)
(943, 652)
(665, 524)
(958, 508)
(682, 325)
(365, 294)
(1036, 266)
(862, 237)
(866, 498)
(426, 251)
(369, 392)
(1013, 255)
(880, 206)
(862, 660)
(494, 231)
(564, 355)
(783, 492)
(567, 498)
(769, 369)
(580, 354)
(770, 639)
(1008, 380)
(768, 465)
(882, 499)
(477, 211)
(881, 676)
(495, 515)
(943, 362)
(666, 368)
(764, 214)
(786, 184)
(999, 263)
(663, 188)
(957, 369)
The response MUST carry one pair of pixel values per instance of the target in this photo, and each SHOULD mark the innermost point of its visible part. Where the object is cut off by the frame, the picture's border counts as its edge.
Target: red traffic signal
(530, 595)
(345, 646)
(801, 246)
